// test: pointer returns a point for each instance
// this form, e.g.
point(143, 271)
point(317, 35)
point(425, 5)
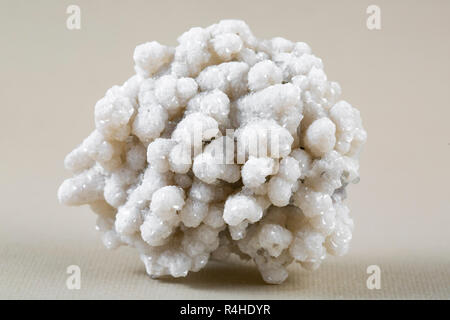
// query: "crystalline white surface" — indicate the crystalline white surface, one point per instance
point(172, 168)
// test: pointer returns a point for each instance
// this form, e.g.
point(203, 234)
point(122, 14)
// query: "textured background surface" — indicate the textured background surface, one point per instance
point(397, 77)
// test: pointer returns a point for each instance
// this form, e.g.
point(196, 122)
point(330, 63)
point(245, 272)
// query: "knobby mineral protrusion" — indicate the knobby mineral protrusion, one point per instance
point(224, 144)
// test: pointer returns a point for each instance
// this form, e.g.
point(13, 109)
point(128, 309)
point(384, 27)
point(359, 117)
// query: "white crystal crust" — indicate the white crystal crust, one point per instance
point(181, 201)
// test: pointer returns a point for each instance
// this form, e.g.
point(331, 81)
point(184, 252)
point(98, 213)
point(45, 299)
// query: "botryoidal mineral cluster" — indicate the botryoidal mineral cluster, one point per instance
point(224, 144)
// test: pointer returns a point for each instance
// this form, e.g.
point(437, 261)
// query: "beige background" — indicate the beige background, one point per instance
point(398, 77)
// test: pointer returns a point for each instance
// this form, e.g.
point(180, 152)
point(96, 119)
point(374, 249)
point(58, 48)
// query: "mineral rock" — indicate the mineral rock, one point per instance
point(223, 145)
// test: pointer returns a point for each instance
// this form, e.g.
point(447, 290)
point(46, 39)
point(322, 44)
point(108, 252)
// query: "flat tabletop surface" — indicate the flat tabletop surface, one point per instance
point(39, 272)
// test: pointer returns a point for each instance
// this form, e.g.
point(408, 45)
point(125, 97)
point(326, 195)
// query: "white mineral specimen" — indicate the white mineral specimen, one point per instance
point(224, 144)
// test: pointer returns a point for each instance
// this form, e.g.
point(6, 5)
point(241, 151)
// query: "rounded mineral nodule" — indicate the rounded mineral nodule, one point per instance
point(225, 144)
